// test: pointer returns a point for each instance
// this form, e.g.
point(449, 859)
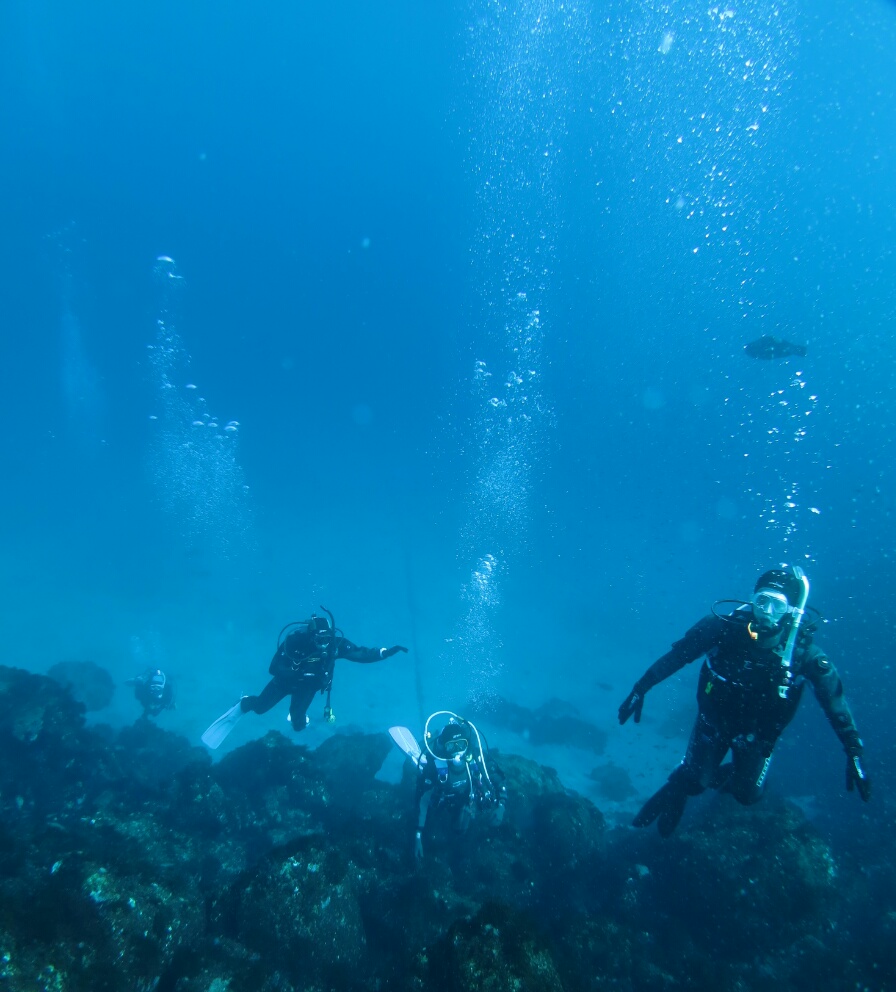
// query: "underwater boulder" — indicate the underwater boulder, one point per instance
point(568, 854)
point(34, 705)
point(353, 759)
point(250, 873)
point(740, 882)
point(568, 829)
point(600, 952)
point(559, 722)
point(556, 722)
point(146, 926)
point(86, 927)
point(613, 783)
point(299, 911)
point(527, 783)
point(263, 765)
point(89, 683)
point(498, 950)
point(152, 757)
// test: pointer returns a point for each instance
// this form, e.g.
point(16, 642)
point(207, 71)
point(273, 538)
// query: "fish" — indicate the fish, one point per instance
point(768, 347)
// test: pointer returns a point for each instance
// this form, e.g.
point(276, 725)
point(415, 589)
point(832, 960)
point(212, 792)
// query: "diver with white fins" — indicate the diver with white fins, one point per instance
point(218, 731)
point(453, 772)
point(154, 691)
point(757, 660)
point(303, 665)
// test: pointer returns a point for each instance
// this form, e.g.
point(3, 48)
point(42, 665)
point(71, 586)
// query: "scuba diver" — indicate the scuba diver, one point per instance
point(154, 691)
point(453, 773)
point(302, 666)
point(757, 660)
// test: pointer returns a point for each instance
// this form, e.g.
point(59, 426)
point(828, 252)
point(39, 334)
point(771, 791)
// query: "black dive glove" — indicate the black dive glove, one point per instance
point(634, 703)
point(388, 652)
point(856, 777)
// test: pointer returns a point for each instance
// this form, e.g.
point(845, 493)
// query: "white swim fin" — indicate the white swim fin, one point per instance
point(218, 731)
point(407, 742)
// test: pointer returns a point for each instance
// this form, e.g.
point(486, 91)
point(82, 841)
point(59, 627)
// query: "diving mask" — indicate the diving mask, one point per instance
point(455, 747)
point(769, 607)
point(321, 633)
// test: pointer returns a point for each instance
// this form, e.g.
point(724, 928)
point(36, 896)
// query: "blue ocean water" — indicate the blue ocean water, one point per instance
point(470, 283)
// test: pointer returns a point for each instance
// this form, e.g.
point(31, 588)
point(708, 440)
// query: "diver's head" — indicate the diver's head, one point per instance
point(157, 684)
point(775, 595)
point(320, 632)
point(452, 744)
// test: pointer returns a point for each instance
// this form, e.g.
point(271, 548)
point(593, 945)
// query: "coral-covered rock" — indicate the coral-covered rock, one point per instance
point(300, 912)
point(737, 879)
point(128, 860)
point(499, 950)
point(613, 783)
point(87, 681)
point(34, 705)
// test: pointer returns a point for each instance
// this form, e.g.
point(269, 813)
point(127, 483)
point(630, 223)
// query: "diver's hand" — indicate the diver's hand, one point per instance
point(418, 847)
point(388, 652)
point(856, 777)
point(634, 703)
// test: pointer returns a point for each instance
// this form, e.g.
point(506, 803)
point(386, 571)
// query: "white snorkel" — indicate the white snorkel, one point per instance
point(797, 612)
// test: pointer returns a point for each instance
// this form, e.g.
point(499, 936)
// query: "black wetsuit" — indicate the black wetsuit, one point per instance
point(461, 786)
point(153, 703)
point(300, 669)
point(746, 697)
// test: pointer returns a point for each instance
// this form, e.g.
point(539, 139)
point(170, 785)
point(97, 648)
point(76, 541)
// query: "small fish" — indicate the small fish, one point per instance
point(768, 347)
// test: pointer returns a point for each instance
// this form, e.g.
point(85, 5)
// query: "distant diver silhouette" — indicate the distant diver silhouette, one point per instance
point(768, 347)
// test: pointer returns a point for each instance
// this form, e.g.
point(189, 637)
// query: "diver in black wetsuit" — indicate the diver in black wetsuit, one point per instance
point(154, 691)
point(757, 661)
point(453, 774)
point(302, 666)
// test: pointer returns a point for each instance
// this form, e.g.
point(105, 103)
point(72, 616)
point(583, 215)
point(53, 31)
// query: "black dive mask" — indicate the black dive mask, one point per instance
point(321, 634)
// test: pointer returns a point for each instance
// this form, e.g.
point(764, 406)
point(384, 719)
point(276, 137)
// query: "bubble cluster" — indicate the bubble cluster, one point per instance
point(525, 58)
point(699, 89)
point(780, 433)
point(699, 98)
point(477, 639)
point(194, 462)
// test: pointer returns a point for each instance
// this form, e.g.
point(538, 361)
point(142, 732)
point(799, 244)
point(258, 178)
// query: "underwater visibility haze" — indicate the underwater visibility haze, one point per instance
point(513, 333)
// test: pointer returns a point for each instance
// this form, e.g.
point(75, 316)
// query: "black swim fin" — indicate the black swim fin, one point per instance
point(722, 778)
point(666, 805)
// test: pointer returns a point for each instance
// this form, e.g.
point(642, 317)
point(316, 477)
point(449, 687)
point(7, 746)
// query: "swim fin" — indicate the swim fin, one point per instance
point(407, 742)
point(218, 731)
point(722, 778)
point(666, 805)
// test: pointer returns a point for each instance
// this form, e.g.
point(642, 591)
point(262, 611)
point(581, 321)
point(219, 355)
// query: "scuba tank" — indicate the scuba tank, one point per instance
point(309, 626)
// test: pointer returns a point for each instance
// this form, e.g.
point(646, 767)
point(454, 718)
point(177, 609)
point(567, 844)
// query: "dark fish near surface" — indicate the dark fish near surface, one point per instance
point(769, 347)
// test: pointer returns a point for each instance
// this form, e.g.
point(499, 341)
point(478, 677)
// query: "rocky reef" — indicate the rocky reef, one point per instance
point(555, 722)
point(86, 681)
point(128, 860)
